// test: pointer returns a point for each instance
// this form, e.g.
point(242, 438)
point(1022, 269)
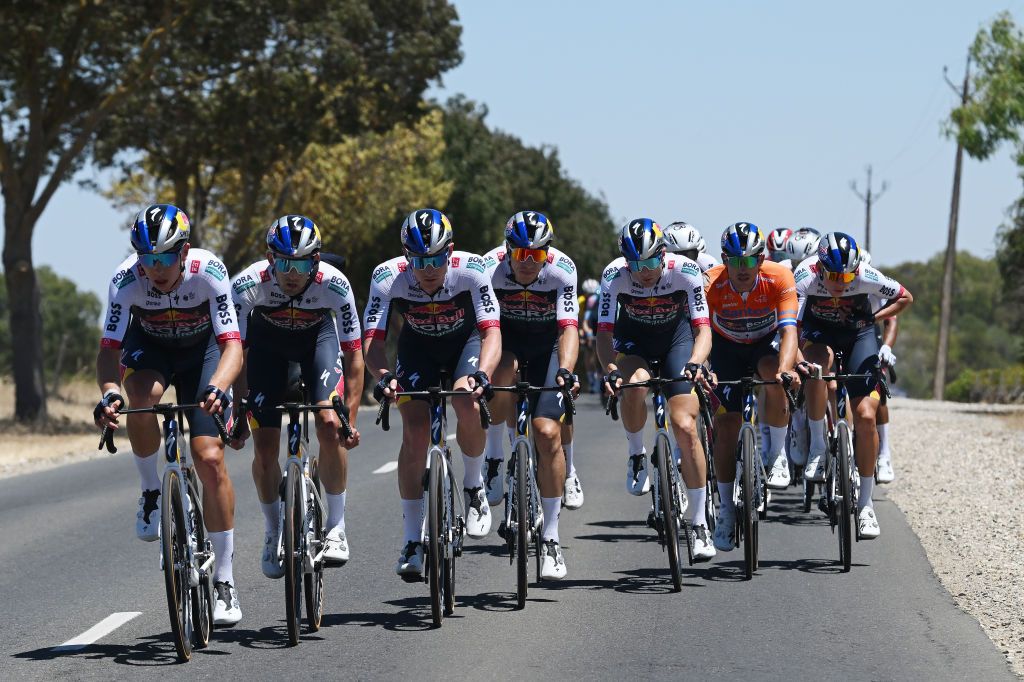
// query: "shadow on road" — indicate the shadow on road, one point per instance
point(645, 534)
point(157, 650)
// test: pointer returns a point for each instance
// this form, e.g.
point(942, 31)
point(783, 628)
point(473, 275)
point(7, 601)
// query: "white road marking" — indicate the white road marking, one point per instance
point(101, 629)
point(387, 468)
point(451, 436)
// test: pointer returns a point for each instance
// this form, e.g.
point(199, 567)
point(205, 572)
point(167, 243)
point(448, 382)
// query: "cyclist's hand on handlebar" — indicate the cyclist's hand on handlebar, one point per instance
point(809, 370)
point(886, 356)
point(353, 440)
point(612, 382)
point(566, 378)
point(106, 411)
point(789, 379)
point(386, 388)
point(240, 433)
point(480, 384)
point(213, 401)
point(692, 371)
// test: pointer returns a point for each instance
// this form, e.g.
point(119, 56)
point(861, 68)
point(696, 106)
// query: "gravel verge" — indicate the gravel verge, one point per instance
point(960, 482)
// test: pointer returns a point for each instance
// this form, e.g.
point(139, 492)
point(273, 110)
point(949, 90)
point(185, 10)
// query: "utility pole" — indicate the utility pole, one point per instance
point(946, 306)
point(868, 198)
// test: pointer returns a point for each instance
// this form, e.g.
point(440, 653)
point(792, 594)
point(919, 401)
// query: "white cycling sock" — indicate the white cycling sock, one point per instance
point(867, 485)
point(778, 440)
point(511, 434)
point(495, 448)
point(335, 511)
point(146, 464)
point(817, 429)
point(636, 442)
point(883, 440)
point(472, 471)
point(697, 497)
point(271, 516)
point(223, 542)
point(570, 466)
point(725, 495)
point(551, 506)
point(412, 520)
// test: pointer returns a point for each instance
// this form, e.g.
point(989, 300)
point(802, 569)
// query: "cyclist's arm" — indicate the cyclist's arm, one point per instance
point(119, 301)
point(786, 313)
point(890, 330)
point(568, 314)
point(355, 369)
point(701, 344)
point(895, 306)
point(108, 369)
point(230, 365)
point(241, 388)
point(568, 347)
point(375, 320)
point(490, 349)
point(787, 348)
point(485, 307)
point(607, 302)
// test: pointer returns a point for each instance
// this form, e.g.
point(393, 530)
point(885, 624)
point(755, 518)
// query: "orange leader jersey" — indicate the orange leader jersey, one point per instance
point(750, 317)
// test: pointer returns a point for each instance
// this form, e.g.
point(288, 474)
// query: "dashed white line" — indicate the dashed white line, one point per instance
point(101, 629)
point(387, 468)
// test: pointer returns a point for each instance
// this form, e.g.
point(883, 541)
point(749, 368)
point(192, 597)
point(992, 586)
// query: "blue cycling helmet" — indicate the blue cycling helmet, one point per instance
point(641, 238)
point(426, 232)
point(838, 252)
point(742, 239)
point(529, 230)
point(159, 229)
point(293, 236)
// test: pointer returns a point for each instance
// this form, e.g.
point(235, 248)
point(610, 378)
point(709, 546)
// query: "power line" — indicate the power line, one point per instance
point(869, 198)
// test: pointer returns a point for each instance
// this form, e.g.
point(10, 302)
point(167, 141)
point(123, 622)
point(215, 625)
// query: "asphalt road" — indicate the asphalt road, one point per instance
point(69, 559)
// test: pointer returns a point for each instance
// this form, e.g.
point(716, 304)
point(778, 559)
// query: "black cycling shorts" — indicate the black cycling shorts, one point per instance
point(859, 349)
point(318, 355)
point(671, 352)
point(188, 368)
point(420, 361)
point(541, 369)
point(731, 361)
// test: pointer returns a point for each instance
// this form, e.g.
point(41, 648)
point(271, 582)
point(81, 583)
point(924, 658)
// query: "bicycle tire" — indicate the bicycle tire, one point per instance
point(522, 504)
point(314, 581)
point(748, 451)
point(176, 583)
point(537, 520)
point(434, 561)
point(845, 510)
point(293, 551)
point(448, 532)
point(711, 487)
point(202, 594)
point(669, 512)
point(808, 495)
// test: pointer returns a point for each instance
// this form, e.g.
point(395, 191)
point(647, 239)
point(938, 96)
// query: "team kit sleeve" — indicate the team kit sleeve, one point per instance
point(346, 314)
point(244, 292)
point(804, 279)
point(119, 303)
point(484, 302)
point(873, 282)
point(222, 308)
point(787, 306)
point(693, 284)
point(611, 281)
point(568, 311)
point(378, 303)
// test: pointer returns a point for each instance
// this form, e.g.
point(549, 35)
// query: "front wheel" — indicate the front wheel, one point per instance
point(669, 511)
point(294, 549)
point(435, 544)
point(845, 485)
point(748, 453)
point(314, 581)
point(522, 517)
point(173, 544)
point(202, 595)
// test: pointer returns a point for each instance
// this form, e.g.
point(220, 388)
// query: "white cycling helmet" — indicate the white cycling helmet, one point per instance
point(680, 236)
point(865, 257)
point(802, 244)
point(777, 239)
point(293, 236)
point(589, 286)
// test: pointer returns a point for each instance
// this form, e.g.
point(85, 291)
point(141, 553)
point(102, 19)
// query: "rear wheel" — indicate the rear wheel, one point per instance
point(435, 508)
point(845, 487)
point(173, 539)
point(314, 581)
point(522, 518)
point(748, 451)
point(711, 487)
point(202, 595)
point(448, 532)
point(293, 551)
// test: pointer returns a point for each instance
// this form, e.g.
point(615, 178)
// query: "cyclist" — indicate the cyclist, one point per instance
point(451, 322)
point(776, 246)
point(535, 285)
point(886, 334)
point(800, 246)
point(835, 315)
point(169, 318)
point(653, 308)
point(750, 299)
point(683, 238)
point(285, 304)
point(588, 334)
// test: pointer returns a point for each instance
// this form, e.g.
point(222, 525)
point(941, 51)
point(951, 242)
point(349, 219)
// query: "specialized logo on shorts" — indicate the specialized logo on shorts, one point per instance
point(193, 267)
point(216, 270)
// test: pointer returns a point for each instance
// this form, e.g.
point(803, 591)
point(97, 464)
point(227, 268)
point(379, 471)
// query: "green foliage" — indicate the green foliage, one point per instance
point(495, 175)
point(980, 331)
point(1005, 385)
point(70, 317)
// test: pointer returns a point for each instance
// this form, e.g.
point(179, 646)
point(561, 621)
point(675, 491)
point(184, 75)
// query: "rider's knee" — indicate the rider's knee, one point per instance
point(547, 430)
point(466, 408)
point(327, 432)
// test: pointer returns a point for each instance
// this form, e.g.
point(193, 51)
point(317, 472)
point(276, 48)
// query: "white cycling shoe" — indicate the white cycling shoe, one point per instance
point(637, 482)
point(867, 524)
point(336, 552)
point(478, 513)
point(814, 471)
point(572, 497)
point(552, 565)
point(410, 562)
point(493, 480)
point(884, 472)
point(226, 610)
point(147, 519)
point(270, 561)
point(778, 475)
point(700, 541)
point(725, 530)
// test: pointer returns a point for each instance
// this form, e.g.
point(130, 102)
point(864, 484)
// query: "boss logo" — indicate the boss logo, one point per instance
point(114, 318)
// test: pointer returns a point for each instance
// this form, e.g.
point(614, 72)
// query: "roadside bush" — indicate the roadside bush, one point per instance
point(1003, 385)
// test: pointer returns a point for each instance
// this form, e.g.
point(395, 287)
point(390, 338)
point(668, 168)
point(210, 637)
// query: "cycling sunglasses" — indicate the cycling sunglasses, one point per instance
point(536, 255)
point(422, 262)
point(303, 266)
point(741, 261)
point(151, 260)
point(845, 277)
point(652, 263)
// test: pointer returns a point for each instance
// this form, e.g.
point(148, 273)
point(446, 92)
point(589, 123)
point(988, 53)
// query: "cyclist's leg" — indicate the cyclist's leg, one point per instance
point(775, 413)
point(501, 410)
point(145, 374)
point(471, 439)
point(267, 374)
point(816, 350)
point(633, 411)
point(864, 400)
point(729, 362)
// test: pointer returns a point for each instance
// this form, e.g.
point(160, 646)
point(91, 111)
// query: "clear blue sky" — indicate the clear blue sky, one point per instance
point(709, 112)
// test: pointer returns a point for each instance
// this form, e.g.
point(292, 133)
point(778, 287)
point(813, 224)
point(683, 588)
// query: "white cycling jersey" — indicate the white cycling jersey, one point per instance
point(632, 310)
point(541, 308)
point(854, 308)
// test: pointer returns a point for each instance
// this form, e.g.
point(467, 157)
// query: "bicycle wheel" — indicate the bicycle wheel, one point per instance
point(522, 517)
point(448, 532)
point(711, 487)
point(808, 493)
point(537, 520)
point(845, 506)
point(669, 512)
point(748, 452)
point(173, 539)
point(202, 594)
point(314, 581)
point(435, 509)
point(293, 550)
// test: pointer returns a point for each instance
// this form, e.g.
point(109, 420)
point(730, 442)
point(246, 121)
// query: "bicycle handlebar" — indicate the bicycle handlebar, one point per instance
point(612, 407)
point(565, 390)
point(107, 437)
point(383, 416)
point(340, 409)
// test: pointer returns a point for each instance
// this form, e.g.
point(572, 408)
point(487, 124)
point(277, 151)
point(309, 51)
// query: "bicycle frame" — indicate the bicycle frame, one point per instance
point(300, 454)
point(441, 453)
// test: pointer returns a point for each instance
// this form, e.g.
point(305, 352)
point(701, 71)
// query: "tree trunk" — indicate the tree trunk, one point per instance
point(26, 322)
point(181, 200)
